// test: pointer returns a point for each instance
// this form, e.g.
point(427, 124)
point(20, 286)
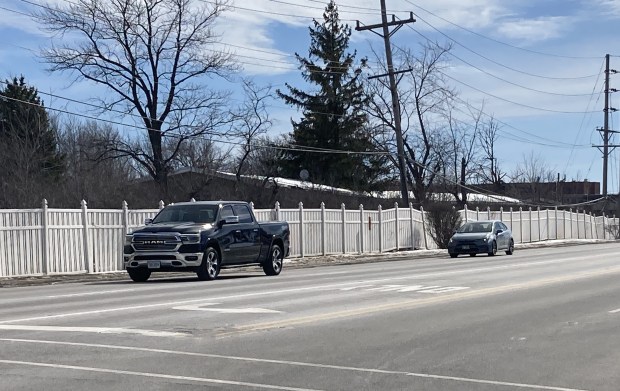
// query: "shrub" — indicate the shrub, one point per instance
point(443, 219)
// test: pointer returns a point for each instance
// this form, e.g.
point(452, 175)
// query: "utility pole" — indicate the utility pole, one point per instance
point(605, 130)
point(393, 88)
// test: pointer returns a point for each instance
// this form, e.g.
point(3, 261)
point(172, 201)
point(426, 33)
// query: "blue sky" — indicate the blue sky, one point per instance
point(563, 43)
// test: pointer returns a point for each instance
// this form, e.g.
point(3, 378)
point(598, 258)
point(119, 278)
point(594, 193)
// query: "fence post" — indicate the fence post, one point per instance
point(604, 231)
point(194, 200)
point(538, 221)
point(547, 213)
point(396, 231)
point(555, 211)
point(511, 225)
point(361, 229)
point(585, 231)
point(125, 208)
point(501, 214)
point(424, 227)
point(592, 227)
point(344, 228)
point(87, 261)
point(45, 238)
point(465, 210)
point(323, 230)
point(161, 204)
point(301, 229)
point(277, 208)
point(521, 223)
point(530, 222)
point(251, 204)
point(488, 213)
point(412, 224)
point(570, 221)
point(477, 214)
point(380, 209)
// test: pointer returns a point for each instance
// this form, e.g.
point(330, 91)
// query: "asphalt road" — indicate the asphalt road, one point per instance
point(541, 319)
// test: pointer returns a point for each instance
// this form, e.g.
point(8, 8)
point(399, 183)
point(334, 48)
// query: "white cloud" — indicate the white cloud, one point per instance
point(609, 7)
point(532, 30)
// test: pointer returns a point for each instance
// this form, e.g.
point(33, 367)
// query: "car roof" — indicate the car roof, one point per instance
point(209, 203)
point(483, 221)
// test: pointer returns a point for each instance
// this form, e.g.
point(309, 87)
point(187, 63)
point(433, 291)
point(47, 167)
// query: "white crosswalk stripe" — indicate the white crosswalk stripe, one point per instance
point(405, 289)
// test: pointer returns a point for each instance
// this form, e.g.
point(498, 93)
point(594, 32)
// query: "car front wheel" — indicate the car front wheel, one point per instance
point(273, 266)
point(210, 267)
point(139, 274)
point(511, 248)
point(493, 249)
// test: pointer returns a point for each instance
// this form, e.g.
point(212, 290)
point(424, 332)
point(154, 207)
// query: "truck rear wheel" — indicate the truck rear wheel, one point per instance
point(273, 266)
point(210, 267)
point(139, 274)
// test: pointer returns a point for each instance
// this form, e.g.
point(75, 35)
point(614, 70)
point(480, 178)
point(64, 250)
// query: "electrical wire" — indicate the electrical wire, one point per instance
point(498, 77)
point(496, 40)
point(496, 62)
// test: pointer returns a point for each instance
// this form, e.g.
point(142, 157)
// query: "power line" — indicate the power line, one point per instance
point(496, 40)
point(496, 62)
point(498, 77)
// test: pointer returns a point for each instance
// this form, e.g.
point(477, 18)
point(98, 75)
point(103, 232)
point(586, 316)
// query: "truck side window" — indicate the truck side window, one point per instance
point(243, 212)
point(226, 212)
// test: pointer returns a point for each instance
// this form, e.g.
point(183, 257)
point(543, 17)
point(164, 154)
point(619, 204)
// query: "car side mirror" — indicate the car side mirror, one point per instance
point(229, 220)
point(148, 221)
point(499, 231)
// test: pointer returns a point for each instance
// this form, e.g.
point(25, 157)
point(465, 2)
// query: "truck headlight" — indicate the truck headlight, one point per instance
point(128, 239)
point(193, 238)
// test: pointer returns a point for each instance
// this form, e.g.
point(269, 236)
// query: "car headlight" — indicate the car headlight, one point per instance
point(194, 238)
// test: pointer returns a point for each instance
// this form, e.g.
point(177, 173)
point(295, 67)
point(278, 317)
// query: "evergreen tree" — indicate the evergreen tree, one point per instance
point(26, 133)
point(333, 114)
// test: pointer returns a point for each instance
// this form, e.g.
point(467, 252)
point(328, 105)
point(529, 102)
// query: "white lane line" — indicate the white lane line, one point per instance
point(614, 311)
point(155, 375)
point(97, 330)
point(493, 382)
point(294, 363)
point(91, 293)
point(226, 310)
point(444, 289)
point(293, 290)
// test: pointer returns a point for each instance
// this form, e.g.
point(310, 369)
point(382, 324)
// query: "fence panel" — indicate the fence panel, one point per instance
point(21, 250)
point(106, 233)
point(388, 230)
point(66, 241)
point(333, 231)
point(371, 231)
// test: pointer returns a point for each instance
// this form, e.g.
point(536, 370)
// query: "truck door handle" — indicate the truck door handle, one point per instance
point(238, 231)
point(255, 229)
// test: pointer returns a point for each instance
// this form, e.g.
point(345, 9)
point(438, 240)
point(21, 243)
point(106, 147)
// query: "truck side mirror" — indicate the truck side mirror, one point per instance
point(148, 221)
point(229, 220)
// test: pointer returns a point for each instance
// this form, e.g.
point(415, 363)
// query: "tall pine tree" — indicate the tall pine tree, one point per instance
point(26, 130)
point(333, 113)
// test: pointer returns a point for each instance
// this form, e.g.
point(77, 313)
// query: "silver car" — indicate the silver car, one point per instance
point(477, 237)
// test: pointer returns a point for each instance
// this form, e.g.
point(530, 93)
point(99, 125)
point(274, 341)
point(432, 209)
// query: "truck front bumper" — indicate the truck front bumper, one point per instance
point(162, 260)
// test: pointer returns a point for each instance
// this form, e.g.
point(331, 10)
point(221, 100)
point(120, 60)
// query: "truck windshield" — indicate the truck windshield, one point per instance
point(199, 214)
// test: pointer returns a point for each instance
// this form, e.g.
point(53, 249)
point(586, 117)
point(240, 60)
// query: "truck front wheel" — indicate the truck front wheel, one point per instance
point(139, 274)
point(273, 266)
point(210, 267)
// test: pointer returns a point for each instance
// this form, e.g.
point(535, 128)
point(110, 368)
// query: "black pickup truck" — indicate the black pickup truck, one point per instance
point(204, 237)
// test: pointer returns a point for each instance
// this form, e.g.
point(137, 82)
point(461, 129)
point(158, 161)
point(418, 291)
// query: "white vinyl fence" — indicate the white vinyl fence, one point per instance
point(64, 241)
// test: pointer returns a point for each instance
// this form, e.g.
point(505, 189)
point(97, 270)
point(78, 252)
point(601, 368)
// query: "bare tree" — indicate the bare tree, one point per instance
point(154, 57)
point(424, 98)
point(533, 171)
point(252, 120)
point(490, 171)
point(462, 158)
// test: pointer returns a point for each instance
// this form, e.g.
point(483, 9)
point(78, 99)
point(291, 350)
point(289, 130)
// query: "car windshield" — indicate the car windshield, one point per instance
point(200, 214)
point(476, 227)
